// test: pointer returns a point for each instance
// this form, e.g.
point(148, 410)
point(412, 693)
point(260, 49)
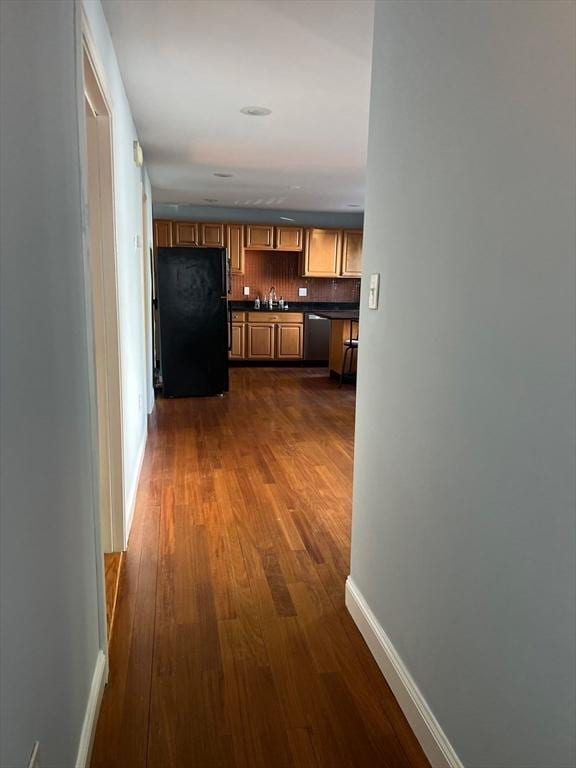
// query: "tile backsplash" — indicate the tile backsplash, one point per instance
point(263, 269)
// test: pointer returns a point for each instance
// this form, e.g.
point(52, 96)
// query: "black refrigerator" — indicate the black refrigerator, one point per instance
point(193, 284)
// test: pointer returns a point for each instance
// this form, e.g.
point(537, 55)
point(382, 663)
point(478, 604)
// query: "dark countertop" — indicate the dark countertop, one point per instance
point(339, 314)
point(300, 306)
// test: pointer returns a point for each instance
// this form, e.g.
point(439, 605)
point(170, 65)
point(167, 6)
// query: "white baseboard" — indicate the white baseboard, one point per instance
point(92, 710)
point(432, 738)
point(131, 507)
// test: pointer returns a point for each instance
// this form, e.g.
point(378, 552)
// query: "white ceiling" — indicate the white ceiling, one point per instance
point(189, 66)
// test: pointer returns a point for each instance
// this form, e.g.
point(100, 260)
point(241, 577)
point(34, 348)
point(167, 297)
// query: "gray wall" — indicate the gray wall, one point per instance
point(49, 618)
point(256, 216)
point(464, 498)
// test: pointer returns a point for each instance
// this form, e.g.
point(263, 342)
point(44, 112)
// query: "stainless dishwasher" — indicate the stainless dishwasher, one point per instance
point(316, 337)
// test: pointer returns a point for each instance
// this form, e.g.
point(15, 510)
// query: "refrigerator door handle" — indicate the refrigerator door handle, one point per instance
point(229, 327)
point(226, 287)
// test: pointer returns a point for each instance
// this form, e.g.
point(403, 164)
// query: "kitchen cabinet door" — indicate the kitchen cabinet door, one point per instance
point(235, 243)
point(260, 341)
point(352, 253)
point(237, 351)
point(212, 235)
point(289, 238)
point(162, 233)
point(259, 237)
point(322, 253)
point(289, 341)
point(184, 233)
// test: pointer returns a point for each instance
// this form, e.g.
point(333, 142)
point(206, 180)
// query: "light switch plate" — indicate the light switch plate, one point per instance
point(246, 290)
point(302, 291)
point(374, 290)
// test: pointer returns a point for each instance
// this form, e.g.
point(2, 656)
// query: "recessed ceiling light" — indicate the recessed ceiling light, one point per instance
point(224, 175)
point(287, 218)
point(209, 200)
point(353, 205)
point(256, 111)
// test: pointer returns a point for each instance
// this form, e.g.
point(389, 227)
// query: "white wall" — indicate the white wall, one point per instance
point(52, 626)
point(464, 498)
point(128, 202)
point(48, 568)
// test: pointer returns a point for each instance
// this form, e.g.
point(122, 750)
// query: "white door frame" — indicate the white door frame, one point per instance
point(103, 296)
point(147, 294)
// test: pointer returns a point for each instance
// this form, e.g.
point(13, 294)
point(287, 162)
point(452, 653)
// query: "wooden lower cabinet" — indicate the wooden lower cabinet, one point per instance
point(263, 339)
point(237, 341)
point(289, 340)
point(260, 341)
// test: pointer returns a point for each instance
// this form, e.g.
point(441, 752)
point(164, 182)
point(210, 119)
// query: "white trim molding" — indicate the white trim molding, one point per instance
point(426, 728)
point(92, 710)
point(131, 506)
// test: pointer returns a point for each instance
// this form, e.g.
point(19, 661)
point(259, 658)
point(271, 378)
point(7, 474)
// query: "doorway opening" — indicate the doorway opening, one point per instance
point(105, 324)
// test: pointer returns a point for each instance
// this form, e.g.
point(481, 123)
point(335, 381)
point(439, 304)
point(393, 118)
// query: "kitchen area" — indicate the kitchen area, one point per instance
point(292, 293)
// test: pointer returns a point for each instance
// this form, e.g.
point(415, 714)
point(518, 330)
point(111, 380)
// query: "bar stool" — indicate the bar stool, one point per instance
point(350, 345)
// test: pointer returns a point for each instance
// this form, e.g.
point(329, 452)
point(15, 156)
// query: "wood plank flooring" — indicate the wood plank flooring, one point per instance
point(112, 567)
point(232, 647)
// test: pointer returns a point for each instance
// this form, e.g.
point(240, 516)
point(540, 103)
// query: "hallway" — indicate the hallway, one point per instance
point(231, 645)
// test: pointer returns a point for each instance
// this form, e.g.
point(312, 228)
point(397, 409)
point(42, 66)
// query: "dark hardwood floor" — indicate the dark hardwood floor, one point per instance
point(232, 646)
point(112, 568)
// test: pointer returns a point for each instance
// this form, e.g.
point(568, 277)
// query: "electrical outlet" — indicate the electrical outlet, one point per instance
point(302, 291)
point(246, 290)
point(34, 761)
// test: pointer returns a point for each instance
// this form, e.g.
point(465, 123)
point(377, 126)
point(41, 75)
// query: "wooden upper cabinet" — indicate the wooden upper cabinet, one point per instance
point(260, 341)
point(184, 233)
point(235, 243)
point(288, 238)
point(162, 233)
point(289, 341)
point(322, 253)
point(212, 234)
point(351, 253)
point(259, 237)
